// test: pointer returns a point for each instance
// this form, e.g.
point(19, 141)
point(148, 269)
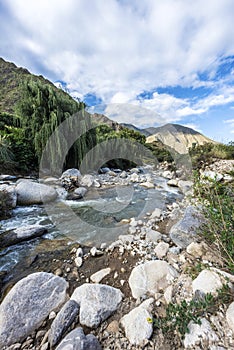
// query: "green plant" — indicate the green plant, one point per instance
point(178, 316)
point(218, 206)
point(194, 270)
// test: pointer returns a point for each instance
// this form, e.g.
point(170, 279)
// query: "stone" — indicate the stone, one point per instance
point(81, 191)
point(172, 183)
point(185, 230)
point(104, 170)
point(77, 340)
point(99, 275)
point(153, 236)
point(156, 214)
point(11, 195)
point(28, 304)
point(29, 192)
point(167, 174)
point(207, 282)
point(199, 334)
point(126, 238)
point(95, 252)
point(134, 178)
point(185, 186)
point(161, 249)
point(113, 327)
point(230, 316)
point(168, 294)
point(151, 277)
point(123, 175)
point(20, 234)
point(195, 249)
point(78, 261)
point(97, 302)
point(212, 175)
point(136, 323)
point(73, 172)
point(62, 321)
point(79, 252)
point(86, 180)
point(148, 184)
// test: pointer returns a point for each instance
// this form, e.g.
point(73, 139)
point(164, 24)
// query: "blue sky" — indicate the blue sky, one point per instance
point(144, 62)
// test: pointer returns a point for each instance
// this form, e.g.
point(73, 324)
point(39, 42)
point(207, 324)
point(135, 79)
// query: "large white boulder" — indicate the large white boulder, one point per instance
point(29, 192)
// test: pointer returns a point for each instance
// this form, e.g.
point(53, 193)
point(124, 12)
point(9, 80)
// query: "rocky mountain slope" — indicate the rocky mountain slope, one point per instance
point(178, 137)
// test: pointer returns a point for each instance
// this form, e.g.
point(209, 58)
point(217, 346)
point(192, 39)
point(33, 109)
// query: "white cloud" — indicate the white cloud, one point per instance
point(118, 49)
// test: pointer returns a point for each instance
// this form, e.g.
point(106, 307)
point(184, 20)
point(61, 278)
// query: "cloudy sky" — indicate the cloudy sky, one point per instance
point(145, 62)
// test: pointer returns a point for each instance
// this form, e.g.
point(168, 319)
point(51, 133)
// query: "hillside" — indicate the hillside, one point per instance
point(178, 137)
point(133, 127)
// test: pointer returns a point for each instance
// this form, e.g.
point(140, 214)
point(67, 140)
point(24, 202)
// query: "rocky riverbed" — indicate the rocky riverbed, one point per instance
point(104, 296)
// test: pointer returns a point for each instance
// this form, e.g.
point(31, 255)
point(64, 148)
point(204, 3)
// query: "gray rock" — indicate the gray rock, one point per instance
point(185, 186)
point(11, 195)
point(28, 304)
point(77, 340)
point(230, 316)
point(172, 183)
point(161, 249)
point(86, 180)
point(199, 334)
point(156, 214)
point(21, 234)
point(153, 236)
point(29, 192)
point(151, 277)
point(184, 231)
point(62, 321)
point(212, 175)
point(79, 193)
point(97, 302)
point(136, 325)
point(71, 173)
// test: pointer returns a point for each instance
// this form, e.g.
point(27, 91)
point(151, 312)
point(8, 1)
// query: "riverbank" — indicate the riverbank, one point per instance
point(161, 259)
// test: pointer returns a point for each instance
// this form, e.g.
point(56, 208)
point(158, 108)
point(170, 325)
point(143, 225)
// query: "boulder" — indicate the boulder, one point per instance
point(200, 335)
point(230, 316)
point(62, 321)
point(212, 175)
point(71, 173)
point(185, 230)
point(185, 186)
point(77, 340)
point(172, 183)
point(97, 302)
point(78, 193)
point(28, 304)
point(208, 282)
point(11, 199)
point(86, 180)
point(136, 323)
point(70, 178)
point(151, 277)
point(148, 184)
point(21, 234)
point(29, 192)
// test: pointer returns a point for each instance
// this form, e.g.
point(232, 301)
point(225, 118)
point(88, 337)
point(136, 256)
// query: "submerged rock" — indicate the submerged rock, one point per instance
point(29, 192)
point(28, 304)
point(21, 234)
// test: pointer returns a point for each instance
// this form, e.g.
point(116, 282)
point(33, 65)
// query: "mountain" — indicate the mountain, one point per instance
point(178, 137)
point(134, 128)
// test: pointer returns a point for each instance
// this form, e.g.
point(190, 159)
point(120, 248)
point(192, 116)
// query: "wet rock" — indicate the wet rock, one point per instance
point(207, 282)
point(95, 252)
point(11, 195)
point(78, 193)
point(29, 192)
point(151, 277)
point(172, 183)
point(199, 334)
point(63, 320)
point(97, 302)
point(28, 304)
point(184, 231)
point(230, 316)
point(167, 174)
point(86, 180)
point(148, 184)
point(21, 234)
point(77, 340)
point(70, 178)
point(99, 275)
point(136, 323)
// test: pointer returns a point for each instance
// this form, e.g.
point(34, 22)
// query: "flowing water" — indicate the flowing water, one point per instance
point(91, 221)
